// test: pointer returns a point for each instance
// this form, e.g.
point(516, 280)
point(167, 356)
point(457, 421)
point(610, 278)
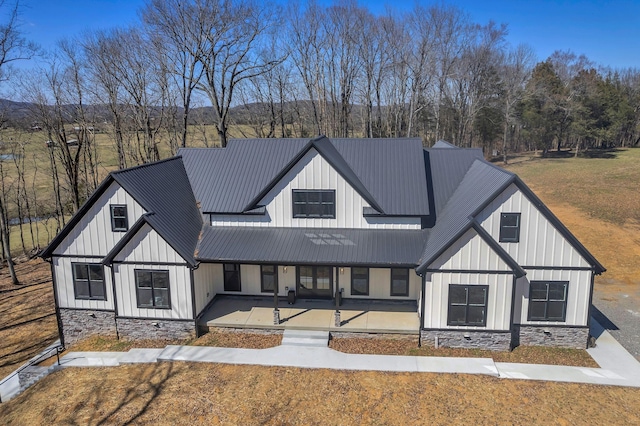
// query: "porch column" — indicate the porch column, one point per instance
point(276, 311)
point(336, 315)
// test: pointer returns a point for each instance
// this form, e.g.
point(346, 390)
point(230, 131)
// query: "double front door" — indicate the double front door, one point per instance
point(315, 281)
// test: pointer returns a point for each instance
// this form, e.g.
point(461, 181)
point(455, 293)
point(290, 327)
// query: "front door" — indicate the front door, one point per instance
point(315, 281)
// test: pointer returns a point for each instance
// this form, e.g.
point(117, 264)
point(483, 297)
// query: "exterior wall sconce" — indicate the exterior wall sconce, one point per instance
point(284, 269)
point(341, 271)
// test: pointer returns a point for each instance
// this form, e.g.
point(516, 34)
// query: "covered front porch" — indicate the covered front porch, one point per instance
point(356, 316)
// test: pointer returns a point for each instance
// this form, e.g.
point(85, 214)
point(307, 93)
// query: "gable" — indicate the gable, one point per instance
point(313, 171)
point(91, 235)
point(148, 246)
point(541, 242)
point(470, 252)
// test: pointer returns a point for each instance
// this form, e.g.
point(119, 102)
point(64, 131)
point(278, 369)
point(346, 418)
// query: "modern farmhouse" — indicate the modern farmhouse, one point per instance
point(482, 260)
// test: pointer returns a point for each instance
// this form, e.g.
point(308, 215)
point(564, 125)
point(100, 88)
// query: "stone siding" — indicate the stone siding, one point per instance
point(491, 340)
point(386, 336)
point(78, 324)
point(559, 337)
point(158, 329)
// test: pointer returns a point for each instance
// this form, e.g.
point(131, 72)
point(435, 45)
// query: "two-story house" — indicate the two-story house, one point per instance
point(385, 219)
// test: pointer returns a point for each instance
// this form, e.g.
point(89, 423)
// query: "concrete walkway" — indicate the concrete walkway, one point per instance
point(618, 368)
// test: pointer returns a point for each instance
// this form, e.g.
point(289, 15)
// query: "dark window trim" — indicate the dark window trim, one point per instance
point(224, 276)
point(368, 280)
point(516, 239)
point(466, 323)
point(125, 217)
point(262, 274)
point(306, 215)
point(88, 280)
point(406, 293)
point(546, 302)
point(135, 273)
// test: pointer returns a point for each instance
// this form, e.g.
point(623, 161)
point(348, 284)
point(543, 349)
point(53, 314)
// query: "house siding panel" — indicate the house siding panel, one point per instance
point(470, 252)
point(577, 297)
point(314, 172)
point(64, 285)
point(179, 289)
point(92, 235)
point(205, 279)
point(148, 246)
point(540, 243)
point(498, 303)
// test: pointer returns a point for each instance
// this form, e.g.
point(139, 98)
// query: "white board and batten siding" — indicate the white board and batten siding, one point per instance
point(148, 246)
point(541, 244)
point(92, 235)
point(314, 172)
point(498, 298)
point(64, 284)
point(579, 288)
point(471, 253)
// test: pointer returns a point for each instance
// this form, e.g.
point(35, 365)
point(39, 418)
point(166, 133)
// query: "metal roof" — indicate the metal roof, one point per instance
point(163, 190)
point(389, 173)
point(291, 246)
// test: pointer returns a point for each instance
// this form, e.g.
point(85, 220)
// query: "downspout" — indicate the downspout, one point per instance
point(55, 301)
point(193, 299)
point(513, 305)
point(423, 304)
point(590, 308)
point(115, 300)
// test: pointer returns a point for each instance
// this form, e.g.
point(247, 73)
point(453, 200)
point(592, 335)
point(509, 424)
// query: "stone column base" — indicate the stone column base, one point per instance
point(554, 336)
point(336, 317)
point(276, 317)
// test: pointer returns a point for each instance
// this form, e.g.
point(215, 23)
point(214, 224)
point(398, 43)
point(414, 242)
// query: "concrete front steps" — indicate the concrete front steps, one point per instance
point(308, 338)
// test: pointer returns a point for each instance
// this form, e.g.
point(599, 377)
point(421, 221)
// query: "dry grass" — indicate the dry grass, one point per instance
point(226, 339)
point(521, 354)
point(27, 314)
point(194, 393)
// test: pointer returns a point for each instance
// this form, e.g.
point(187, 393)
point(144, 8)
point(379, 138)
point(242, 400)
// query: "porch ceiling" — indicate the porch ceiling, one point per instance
point(357, 316)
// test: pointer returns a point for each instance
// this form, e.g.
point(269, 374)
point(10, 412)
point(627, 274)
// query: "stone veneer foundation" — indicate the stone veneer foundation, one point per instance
point(559, 337)
point(140, 328)
point(468, 339)
point(80, 323)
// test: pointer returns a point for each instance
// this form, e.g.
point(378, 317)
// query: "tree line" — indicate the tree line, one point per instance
point(251, 68)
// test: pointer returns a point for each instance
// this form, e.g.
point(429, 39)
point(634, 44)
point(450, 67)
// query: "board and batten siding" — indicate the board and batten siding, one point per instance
point(205, 279)
point(498, 299)
point(380, 285)
point(540, 242)
point(577, 297)
point(92, 235)
point(471, 253)
point(148, 246)
point(314, 172)
point(64, 284)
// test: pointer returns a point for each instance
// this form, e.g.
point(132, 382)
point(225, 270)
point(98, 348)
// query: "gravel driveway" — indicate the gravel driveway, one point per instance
point(620, 314)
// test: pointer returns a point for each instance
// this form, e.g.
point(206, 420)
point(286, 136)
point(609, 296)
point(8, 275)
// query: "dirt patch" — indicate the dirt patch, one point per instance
point(195, 393)
point(521, 354)
point(27, 314)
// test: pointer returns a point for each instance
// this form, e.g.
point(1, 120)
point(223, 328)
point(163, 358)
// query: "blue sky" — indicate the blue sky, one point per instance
point(607, 32)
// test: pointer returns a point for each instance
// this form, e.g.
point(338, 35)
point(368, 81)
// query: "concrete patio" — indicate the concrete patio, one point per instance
point(357, 316)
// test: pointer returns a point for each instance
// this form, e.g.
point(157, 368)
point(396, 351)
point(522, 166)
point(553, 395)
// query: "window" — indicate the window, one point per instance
point(548, 300)
point(399, 282)
point(88, 281)
point(269, 278)
point(152, 289)
point(509, 227)
point(314, 203)
point(359, 281)
point(467, 305)
point(231, 277)
point(119, 221)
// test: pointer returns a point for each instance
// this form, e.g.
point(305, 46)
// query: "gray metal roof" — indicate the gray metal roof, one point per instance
point(389, 173)
point(311, 245)
point(163, 190)
point(481, 184)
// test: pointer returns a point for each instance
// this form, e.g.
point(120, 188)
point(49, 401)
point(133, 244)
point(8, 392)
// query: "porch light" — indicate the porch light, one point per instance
point(284, 269)
point(341, 271)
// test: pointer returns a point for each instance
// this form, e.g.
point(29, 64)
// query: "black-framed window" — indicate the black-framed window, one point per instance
point(88, 281)
point(232, 277)
point(359, 281)
point(509, 227)
point(314, 203)
point(467, 305)
point(119, 220)
point(268, 278)
point(548, 300)
point(152, 289)
point(399, 282)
